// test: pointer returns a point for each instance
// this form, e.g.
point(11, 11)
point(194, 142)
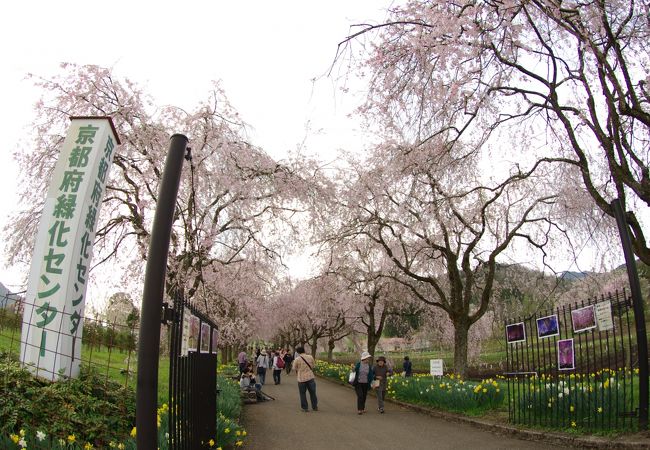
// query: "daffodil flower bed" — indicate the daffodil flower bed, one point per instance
point(577, 401)
point(450, 392)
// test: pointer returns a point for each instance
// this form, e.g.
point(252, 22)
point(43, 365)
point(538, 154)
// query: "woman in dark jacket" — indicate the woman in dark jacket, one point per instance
point(364, 374)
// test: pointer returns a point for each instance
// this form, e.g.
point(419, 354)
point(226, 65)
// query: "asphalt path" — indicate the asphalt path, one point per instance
point(280, 424)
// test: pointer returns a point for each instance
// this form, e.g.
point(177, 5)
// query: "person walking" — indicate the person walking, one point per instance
point(407, 366)
point(364, 375)
point(262, 364)
point(304, 368)
point(382, 372)
point(278, 365)
point(288, 359)
point(242, 360)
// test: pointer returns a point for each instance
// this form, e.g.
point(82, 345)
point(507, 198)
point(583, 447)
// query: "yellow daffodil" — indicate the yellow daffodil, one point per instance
point(134, 432)
point(211, 442)
point(227, 430)
point(72, 438)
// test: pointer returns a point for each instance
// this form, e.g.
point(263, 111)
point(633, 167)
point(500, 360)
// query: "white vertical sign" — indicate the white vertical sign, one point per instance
point(54, 306)
point(604, 316)
point(436, 367)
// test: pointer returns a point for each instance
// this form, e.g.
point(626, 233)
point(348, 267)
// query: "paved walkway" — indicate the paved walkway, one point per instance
point(279, 424)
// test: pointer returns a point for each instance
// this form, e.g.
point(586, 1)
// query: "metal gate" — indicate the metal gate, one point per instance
point(192, 377)
point(575, 366)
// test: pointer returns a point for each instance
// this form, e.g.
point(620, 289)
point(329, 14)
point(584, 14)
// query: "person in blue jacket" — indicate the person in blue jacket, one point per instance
point(364, 375)
point(408, 367)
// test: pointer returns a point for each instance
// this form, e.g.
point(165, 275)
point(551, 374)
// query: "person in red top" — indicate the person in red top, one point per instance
point(304, 367)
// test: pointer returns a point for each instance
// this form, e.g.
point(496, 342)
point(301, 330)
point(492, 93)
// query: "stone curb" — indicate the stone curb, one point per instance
point(636, 441)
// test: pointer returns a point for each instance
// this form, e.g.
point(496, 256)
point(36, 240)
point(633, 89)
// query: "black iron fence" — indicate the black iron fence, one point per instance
point(575, 366)
point(192, 377)
point(108, 346)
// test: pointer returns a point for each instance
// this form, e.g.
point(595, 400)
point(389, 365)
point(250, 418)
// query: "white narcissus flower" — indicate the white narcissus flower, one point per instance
point(40, 435)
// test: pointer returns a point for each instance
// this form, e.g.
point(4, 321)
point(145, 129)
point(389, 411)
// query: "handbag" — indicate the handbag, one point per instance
point(351, 377)
point(375, 384)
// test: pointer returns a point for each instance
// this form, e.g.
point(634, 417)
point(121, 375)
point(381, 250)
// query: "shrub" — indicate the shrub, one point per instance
point(89, 407)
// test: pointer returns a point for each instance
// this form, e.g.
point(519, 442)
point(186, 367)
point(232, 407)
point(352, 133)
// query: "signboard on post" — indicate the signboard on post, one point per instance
point(436, 367)
point(604, 316)
point(54, 305)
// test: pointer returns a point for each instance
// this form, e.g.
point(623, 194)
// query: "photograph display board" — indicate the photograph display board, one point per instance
point(185, 330)
point(515, 332)
point(193, 340)
point(213, 347)
point(548, 326)
point(583, 319)
point(205, 337)
point(566, 359)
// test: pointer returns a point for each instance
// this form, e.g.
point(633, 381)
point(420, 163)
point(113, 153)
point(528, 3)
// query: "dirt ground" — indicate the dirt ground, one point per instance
point(280, 424)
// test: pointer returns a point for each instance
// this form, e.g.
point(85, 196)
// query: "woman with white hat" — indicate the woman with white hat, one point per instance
point(364, 374)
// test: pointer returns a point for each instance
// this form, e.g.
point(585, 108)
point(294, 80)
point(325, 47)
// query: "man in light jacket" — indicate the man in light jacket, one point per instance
point(303, 365)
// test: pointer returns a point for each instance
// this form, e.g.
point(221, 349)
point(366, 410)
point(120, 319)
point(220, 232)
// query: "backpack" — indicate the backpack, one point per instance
point(279, 362)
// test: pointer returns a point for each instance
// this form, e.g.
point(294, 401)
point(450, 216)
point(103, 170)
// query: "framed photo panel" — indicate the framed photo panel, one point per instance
point(515, 332)
point(193, 339)
point(213, 347)
point(548, 326)
point(583, 319)
point(205, 337)
point(566, 359)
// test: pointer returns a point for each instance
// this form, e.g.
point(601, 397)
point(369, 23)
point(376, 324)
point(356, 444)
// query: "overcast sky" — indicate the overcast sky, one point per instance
point(270, 56)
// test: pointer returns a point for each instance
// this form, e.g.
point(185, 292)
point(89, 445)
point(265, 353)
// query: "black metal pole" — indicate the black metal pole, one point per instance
point(639, 316)
point(154, 285)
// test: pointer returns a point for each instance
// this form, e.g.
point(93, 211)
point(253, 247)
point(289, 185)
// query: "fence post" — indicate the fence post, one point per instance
point(154, 286)
point(639, 316)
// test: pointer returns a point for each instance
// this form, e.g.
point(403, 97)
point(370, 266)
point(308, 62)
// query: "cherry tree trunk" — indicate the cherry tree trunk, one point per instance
point(314, 344)
point(373, 340)
point(461, 332)
point(330, 349)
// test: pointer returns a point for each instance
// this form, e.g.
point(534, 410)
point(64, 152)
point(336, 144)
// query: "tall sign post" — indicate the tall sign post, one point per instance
point(639, 315)
point(54, 305)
